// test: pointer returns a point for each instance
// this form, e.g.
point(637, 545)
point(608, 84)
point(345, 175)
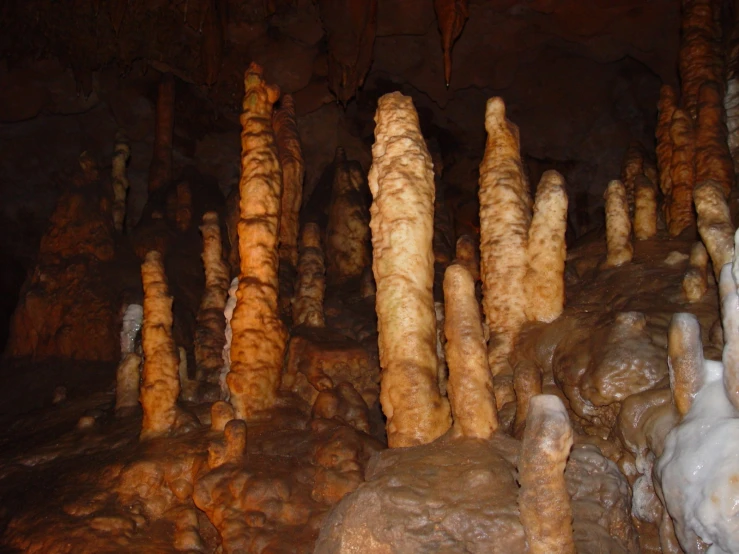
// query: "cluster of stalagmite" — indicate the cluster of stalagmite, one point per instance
point(401, 176)
point(618, 225)
point(120, 182)
point(347, 231)
point(161, 385)
point(311, 284)
point(259, 336)
point(211, 325)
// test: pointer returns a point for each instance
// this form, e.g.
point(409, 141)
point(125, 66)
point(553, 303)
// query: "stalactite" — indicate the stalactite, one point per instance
point(714, 223)
point(682, 173)
point(451, 16)
point(402, 184)
point(618, 226)
point(121, 156)
point(666, 108)
point(505, 214)
point(544, 282)
point(470, 384)
point(695, 282)
point(160, 170)
point(712, 156)
point(311, 285)
point(259, 336)
point(645, 208)
point(210, 328)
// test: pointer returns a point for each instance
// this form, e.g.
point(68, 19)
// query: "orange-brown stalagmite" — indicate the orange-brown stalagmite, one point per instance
point(120, 182)
point(543, 500)
point(544, 284)
point(259, 336)
point(293, 171)
point(527, 384)
point(161, 383)
point(731, 97)
point(666, 108)
point(714, 223)
point(347, 231)
point(160, 170)
point(451, 16)
point(631, 167)
point(402, 220)
point(618, 225)
point(712, 156)
point(311, 284)
point(211, 325)
point(505, 214)
point(645, 208)
point(679, 203)
point(470, 384)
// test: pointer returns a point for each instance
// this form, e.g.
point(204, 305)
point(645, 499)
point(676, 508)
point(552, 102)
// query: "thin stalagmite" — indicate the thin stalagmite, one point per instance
point(291, 158)
point(505, 214)
point(127, 378)
point(347, 231)
point(712, 156)
point(618, 226)
point(527, 384)
point(544, 284)
point(695, 282)
point(160, 170)
point(685, 360)
point(666, 108)
point(311, 285)
point(714, 223)
point(682, 173)
point(211, 325)
point(259, 336)
point(645, 208)
point(543, 501)
point(161, 384)
point(631, 166)
point(401, 180)
point(120, 182)
point(470, 384)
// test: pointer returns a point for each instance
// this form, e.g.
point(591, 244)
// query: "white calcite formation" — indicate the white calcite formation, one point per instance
point(130, 328)
point(228, 313)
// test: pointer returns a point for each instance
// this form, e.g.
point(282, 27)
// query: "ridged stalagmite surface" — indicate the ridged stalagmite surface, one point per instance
point(505, 214)
point(120, 182)
point(293, 171)
point(618, 225)
point(731, 98)
point(685, 360)
point(311, 285)
point(712, 157)
point(544, 285)
point(714, 223)
point(470, 384)
point(161, 382)
point(211, 325)
point(543, 500)
point(666, 108)
point(259, 336)
point(682, 173)
point(645, 208)
point(347, 231)
point(402, 216)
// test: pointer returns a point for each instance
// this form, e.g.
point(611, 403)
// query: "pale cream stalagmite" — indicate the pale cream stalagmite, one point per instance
point(259, 336)
point(645, 208)
point(470, 384)
point(729, 296)
point(714, 223)
point(731, 97)
point(211, 325)
point(401, 180)
point(685, 360)
point(120, 182)
point(347, 230)
point(618, 225)
point(311, 284)
point(679, 203)
point(505, 214)
point(544, 284)
point(543, 501)
point(695, 282)
point(161, 384)
point(666, 108)
point(468, 256)
point(127, 379)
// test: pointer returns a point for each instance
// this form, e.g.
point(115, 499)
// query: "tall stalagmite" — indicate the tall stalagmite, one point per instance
point(618, 226)
point(712, 156)
point(505, 214)
point(631, 167)
point(402, 216)
point(120, 182)
point(211, 325)
point(311, 284)
point(645, 208)
point(259, 336)
point(714, 223)
point(161, 382)
point(682, 173)
point(666, 108)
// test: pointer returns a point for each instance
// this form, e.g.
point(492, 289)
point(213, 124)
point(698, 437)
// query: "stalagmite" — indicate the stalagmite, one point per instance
point(731, 98)
point(526, 384)
point(161, 385)
point(228, 312)
point(728, 284)
point(347, 231)
point(682, 173)
point(183, 214)
point(666, 108)
point(631, 167)
point(543, 500)
point(712, 156)
point(470, 384)
point(311, 285)
point(211, 325)
point(618, 226)
point(220, 413)
point(259, 336)
point(467, 255)
point(505, 214)
point(685, 360)
point(451, 16)
point(714, 223)
point(544, 284)
point(293, 171)
point(133, 317)
point(160, 170)
point(645, 208)
point(402, 184)
point(695, 282)
point(120, 182)
point(127, 379)
point(188, 387)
